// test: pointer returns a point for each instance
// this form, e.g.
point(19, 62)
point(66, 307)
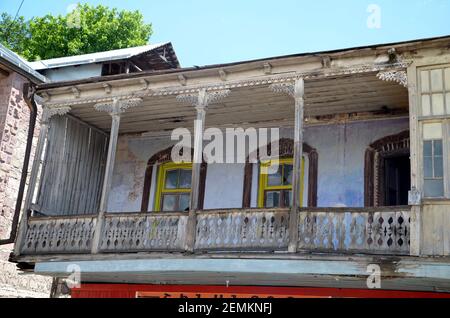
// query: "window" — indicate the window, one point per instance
point(435, 91)
point(174, 187)
point(275, 189)
point(433, 163)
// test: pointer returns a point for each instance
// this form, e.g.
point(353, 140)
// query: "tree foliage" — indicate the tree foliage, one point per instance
point(87, 29)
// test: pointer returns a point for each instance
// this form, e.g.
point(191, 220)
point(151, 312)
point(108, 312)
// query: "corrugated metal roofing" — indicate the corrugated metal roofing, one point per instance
point(20, 63)
point(95, 57)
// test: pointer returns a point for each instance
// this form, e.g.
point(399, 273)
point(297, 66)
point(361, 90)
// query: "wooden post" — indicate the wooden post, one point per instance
point(199, 125)
point(298, 158)
point(416, 189)
point(200, 101)
point(297, 91)
point(114, 109)
point(43, 133)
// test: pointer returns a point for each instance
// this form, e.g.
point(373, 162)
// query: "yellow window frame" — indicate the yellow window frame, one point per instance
point(264, 178)
point(162, 172)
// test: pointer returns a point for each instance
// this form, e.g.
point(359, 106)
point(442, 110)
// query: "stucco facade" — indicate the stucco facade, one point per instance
point(340, 147)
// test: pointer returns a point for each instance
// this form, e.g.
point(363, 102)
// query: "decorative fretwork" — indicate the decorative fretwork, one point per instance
point(134, 233)
point(210, 97)
point(399, 77)
point(49, 112)
point(384, 232)
point(252, 230)
point(118, 106)
point(59, 235)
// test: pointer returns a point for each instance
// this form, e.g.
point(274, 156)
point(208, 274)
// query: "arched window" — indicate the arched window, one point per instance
point(275, 189)
point(173, 188)
point(172, 184)
point(387, 171)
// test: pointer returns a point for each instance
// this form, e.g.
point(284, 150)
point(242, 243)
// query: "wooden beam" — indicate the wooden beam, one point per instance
point(109, 170)
point(199, 126)
point(299, 91)
point(3, 73)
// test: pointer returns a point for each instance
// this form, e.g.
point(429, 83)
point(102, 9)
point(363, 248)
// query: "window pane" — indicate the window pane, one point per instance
point(185, 179)
point(438, 167)
point(425, 81)
point(287, 176)
point(437, 147)
point(169, 202)
point(184, 202)
point(426, 105)
point(171, 179)
point(272, 199)
point(434, 188)
point(436, 80)
point(428, 167)
point(438, 104)
point(427, 148)
point(274, 179)
point(287, 198)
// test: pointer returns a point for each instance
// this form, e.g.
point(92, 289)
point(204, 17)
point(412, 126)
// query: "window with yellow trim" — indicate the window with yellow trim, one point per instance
point(275, 188)
point(174, 187)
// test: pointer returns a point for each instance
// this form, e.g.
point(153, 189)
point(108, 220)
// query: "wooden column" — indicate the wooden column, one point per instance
point(296, 91)
point(115, 109)
point(200, 101)
point(416, 169)
point(47, 114)
point(298, 155)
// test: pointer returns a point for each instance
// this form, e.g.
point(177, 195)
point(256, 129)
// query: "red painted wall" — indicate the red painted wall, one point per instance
point(175, 291)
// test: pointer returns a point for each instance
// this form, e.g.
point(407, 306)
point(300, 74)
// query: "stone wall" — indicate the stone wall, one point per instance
point(14, 120)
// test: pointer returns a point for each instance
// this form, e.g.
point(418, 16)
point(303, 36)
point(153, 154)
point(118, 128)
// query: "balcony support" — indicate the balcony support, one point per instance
point(47, 114)
point(200, 101)
point(416, 166)
point(296, 90)
point(115, 109)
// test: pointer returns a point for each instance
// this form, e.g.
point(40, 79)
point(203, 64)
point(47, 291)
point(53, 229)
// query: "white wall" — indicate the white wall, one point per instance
point(341, 149)
point(71, 73)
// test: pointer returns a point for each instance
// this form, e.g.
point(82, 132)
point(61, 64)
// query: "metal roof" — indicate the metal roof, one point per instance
point(20, 65)
point(95, 57)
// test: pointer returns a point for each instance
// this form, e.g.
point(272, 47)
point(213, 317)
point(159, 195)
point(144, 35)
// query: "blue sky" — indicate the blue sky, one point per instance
point(219, 31)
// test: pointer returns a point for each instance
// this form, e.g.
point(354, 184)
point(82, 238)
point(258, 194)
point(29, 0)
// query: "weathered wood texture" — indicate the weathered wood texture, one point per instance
point(435, 231)
point(333, 230)
point(143, 232)
point(380, 232)
point(73, 170)
point(59, 235)
point(241, 229)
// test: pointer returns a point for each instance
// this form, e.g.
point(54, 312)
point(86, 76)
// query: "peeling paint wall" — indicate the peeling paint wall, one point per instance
point(341, 149)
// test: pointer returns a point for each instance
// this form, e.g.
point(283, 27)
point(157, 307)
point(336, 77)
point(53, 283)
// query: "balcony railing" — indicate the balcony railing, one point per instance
point(321, 230)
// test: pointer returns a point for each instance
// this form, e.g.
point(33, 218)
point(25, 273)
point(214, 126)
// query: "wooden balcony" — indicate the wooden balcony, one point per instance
point(321, 230)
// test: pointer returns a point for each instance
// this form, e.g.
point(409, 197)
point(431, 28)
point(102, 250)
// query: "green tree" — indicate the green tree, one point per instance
point(16, 31)
point(87, 29)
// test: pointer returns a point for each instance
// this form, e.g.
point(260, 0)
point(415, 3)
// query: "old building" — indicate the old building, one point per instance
point(20, 121)
point(16, 113)
point(362, 188)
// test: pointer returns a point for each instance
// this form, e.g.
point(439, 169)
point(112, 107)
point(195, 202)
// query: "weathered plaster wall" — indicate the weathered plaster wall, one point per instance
point(341, 149)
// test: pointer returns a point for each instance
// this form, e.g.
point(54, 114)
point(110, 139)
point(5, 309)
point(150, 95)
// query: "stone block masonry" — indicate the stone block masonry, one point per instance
point(14, 121)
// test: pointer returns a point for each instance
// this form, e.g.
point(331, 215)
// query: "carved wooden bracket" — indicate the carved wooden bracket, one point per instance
point(203, 98)
point(295, 89)
point(118, 106)
point(49, 112)
point(399, 77)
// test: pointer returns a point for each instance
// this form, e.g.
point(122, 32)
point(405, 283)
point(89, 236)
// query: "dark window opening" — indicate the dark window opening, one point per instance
point(397, 180)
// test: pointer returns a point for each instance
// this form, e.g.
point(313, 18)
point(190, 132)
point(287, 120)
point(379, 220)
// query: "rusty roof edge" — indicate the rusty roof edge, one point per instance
point(383, 46)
